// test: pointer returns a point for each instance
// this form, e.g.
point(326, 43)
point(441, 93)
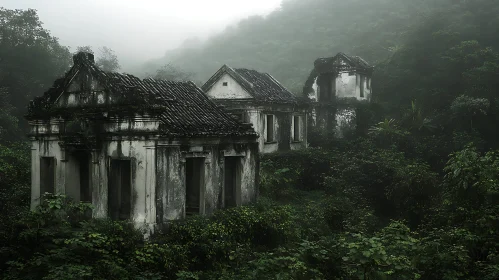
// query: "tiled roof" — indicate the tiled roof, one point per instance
point(261, 86)
point(182, 107)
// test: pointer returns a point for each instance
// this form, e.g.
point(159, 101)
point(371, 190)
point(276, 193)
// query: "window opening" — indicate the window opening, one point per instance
point(270, 128)
point(224, 84)
point(296, 128)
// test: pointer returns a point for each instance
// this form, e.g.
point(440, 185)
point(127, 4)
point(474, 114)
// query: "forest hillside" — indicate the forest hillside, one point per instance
point(286, 42)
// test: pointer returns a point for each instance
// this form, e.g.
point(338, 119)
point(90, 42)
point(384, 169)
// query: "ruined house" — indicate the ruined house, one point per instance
point(144, 150)
point(332, 85)
point(278, 116)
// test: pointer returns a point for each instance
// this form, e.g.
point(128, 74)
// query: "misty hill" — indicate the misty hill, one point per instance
point(286, 42)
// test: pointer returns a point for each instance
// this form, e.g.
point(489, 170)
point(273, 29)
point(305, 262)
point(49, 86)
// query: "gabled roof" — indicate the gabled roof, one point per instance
point(329, 64)
point(182, 107)
point(261, 86)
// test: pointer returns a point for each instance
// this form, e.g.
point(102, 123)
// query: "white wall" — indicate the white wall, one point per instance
point(348, 87)
point(232, 91)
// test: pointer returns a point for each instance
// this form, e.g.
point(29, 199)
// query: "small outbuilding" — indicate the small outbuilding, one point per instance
point(278, 116)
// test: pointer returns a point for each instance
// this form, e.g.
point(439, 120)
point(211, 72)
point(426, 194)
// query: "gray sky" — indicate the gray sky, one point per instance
point(138, 29)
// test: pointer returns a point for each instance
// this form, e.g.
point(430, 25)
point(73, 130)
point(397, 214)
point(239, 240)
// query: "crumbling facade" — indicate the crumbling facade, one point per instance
point(332, 85)
point(145, 150)
point(278, 116)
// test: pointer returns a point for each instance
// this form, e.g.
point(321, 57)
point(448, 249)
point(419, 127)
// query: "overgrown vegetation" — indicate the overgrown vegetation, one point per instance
point(413, 194)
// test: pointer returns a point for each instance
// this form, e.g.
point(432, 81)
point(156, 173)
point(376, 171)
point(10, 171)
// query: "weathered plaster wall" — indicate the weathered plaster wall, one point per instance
point(46, 147)
point(142, 156)
point(171, 188)
point(170, 185)
point(232, 91)
point(347, 86)
point(283, 125)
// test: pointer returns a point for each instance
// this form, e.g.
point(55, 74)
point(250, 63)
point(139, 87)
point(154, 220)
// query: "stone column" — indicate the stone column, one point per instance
point(35, 176)
point(99, 187)
point(150, 189)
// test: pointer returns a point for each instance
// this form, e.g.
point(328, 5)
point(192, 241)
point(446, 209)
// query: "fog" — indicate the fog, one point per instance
point(138, 30)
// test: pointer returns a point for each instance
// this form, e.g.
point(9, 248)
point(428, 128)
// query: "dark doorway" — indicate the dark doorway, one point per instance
point(120, 190)
point(194, 180)
point(83, 159)
point(47, 175)
point(232, 181)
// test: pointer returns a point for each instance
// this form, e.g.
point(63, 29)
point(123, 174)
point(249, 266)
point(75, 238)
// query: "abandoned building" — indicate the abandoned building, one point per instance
point(278, 116)
point(332, 85)
point(144, 150)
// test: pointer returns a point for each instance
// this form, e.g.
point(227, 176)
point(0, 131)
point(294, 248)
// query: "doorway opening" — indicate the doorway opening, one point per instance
point(232, 181)
point(83, 159)
point(47, 175)
point(120, 190)
point(194, 177)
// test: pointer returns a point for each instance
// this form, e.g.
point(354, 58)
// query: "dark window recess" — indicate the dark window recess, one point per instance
point(224, 84)
point(239, 117)
point(368, 83)
point(327, 92)
point(270, 128)
point(232, 181)
point(361, 86)
point(120, 190)
point(47, 175)
point(327, 88)
point(194, 177)
point(296, 128)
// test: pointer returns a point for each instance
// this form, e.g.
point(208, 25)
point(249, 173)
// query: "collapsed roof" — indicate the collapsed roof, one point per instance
point(334, 65)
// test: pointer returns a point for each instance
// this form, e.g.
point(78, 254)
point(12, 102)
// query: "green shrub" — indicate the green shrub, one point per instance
point(58, 241)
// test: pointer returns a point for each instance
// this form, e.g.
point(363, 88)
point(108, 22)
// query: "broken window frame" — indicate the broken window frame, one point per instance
point(297, 128)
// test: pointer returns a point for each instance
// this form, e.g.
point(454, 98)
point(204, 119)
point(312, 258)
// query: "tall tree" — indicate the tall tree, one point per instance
point(108, 61)
point(30, 59)
point(170, 72)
